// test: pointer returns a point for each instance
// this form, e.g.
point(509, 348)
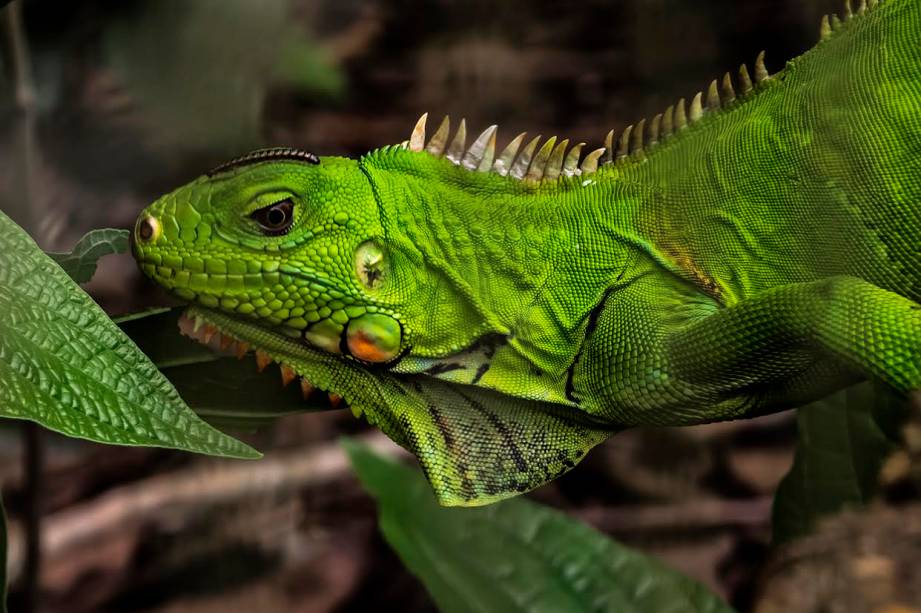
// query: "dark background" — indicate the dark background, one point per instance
point(119, 101)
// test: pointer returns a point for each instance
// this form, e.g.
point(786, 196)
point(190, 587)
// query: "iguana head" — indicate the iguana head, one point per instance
point(290, 254)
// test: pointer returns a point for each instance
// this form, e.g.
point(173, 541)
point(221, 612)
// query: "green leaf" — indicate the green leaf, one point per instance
point(516, 555)
point(80, 263)
point(67, 366)
point(839, 452)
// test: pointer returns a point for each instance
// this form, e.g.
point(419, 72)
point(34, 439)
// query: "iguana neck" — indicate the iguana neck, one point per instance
point(532, 260)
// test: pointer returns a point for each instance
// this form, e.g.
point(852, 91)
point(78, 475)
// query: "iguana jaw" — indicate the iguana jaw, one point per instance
point(233, 336)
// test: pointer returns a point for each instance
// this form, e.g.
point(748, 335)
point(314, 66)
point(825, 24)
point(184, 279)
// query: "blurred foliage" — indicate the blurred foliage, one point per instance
point(840, 449)
point(199, 87)
point(65, 365)
point(516, 555)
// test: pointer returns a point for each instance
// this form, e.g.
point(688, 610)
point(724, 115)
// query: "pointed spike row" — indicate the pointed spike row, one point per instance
point(697, 108)
point(729, 92)
point(262, 360)
point(835, 22)
point(590, 163)
point(478, 150)
point(306, 388)
point(287, 374)
point(571, 163)
point(713, 96)
point(668, 122)
point(555, 162)
point(745, 81)
point(458, 145)
point(848, 9)
point(862, 8)
point(681, 117)
point(623, 145)
point(872, 3)
point(608, 148)
point(417, 138)
point(439, 139)
point(655, 128)
point(761, 73)
point(539, 163)
point(241, 349)
point(824, 28)
point(504, 161)
point(521, 164)
point(636, 146)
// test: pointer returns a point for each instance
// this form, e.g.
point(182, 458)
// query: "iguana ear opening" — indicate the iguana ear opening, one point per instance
point(478, 446)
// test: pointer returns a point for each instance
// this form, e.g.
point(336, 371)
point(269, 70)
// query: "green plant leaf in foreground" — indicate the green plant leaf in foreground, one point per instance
point(839, 452)
point(516, 555)
point(80, 263)
point(67, 366)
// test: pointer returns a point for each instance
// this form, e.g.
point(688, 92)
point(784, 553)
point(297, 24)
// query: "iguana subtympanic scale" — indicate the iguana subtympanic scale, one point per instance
point(499, 315)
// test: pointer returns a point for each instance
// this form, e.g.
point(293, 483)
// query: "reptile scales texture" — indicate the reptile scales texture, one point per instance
point(500, 312)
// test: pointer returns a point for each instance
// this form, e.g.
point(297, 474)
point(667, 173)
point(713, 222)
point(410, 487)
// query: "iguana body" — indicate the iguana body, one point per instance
point(501, 323)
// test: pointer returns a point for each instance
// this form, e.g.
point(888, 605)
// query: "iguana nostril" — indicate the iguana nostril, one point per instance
point(148, 229)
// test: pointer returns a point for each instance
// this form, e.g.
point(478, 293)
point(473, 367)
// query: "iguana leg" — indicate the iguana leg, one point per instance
point(747, 358)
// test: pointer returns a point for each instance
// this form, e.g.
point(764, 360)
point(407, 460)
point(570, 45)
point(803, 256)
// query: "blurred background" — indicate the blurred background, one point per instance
point(106, 104)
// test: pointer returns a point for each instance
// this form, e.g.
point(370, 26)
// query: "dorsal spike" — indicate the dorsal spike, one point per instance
point(555, 162)
point(655, 129)
point(835, 22)
point(848, 9)
point(729, 92)
point(668, 122)
point(590, 163)
point(458, 145)
point(439, 139)
point(697, 107)
point(608, 148)
point(489, 154)
point(623, 145)
point(681, 117)
point(862, 7)
point(476, 152)
point(539, 164)
point(824, 28)
point(417, 138)
point(713, 96)
point(872, 3)
point(571, 163)
point(521, 164)
point(745, 81)
point(504, 161)
point(639, 132)
point(761, 73)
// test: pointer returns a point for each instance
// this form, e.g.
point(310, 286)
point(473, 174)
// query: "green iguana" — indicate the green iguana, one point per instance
point(752, 251)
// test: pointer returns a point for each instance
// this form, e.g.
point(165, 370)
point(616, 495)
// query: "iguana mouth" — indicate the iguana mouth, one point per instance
point(194, 323)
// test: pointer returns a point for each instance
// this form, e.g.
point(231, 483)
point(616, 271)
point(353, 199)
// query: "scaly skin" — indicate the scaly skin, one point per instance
point(762, 257)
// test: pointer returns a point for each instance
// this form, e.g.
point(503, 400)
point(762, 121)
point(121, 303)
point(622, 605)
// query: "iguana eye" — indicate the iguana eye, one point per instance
point(275, 219)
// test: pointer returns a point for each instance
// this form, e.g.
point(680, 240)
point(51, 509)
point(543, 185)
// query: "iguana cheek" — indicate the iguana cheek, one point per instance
point(374, 337)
